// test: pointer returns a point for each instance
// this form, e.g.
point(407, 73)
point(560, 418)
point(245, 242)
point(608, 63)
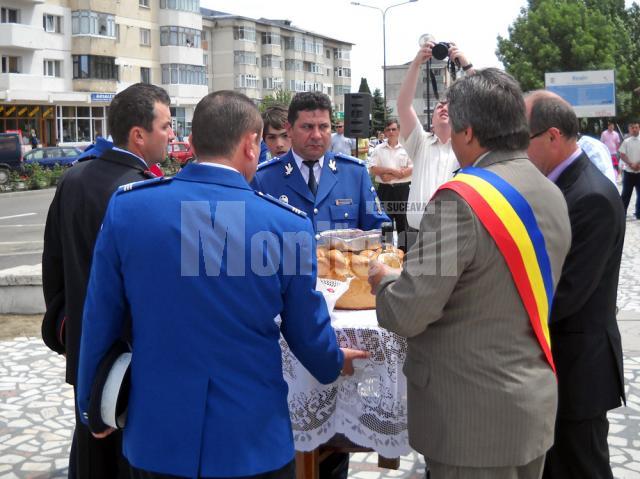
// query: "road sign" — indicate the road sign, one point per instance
point(339, 115)
point(591, 93)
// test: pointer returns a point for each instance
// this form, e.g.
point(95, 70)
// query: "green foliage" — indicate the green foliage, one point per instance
point(573, 35)
point(364, 86)
point(280, 97)
point(378, 115)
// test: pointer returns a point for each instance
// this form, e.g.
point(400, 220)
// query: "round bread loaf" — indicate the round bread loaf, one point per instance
point(339, 265)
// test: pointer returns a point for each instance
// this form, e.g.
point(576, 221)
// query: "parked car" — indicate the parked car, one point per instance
point(53, 155)
point(180, 151)
point(10, 155)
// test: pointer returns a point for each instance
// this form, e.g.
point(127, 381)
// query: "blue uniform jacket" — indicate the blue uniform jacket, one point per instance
point(96, 149)
point(345, 198)
point(203, 278)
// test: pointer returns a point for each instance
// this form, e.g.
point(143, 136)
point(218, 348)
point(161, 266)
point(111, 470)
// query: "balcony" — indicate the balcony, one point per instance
point(21, 37)
point(185, 55)
point(95, 85)
point(186, 94)
point(179, 18)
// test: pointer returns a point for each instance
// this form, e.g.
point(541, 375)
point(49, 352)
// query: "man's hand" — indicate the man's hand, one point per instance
point(456, 54)
point(377, 271)
point(349, 356)
point(103, 434)
point(387, 177)
point(424, 54)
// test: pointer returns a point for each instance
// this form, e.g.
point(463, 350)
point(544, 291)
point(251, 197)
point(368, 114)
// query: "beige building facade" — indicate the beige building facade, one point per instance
point(259, 57)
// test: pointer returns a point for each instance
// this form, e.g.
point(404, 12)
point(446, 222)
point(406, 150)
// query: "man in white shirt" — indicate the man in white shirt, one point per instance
point(630, 155)
point(393, 167)
point(611, 138)
point(433, 159)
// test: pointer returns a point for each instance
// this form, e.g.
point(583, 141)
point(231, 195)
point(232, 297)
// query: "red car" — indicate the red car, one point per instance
point(180, 151)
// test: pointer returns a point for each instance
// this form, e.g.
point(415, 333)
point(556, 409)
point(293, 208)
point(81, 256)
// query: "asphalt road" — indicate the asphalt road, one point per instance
point(22, 218)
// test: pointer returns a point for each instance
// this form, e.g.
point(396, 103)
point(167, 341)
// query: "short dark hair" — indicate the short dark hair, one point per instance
point(550, 111)
point(220, 120)
point(308, 101)
point(134, 106)
point(390, 121)
point(491, 103)
point(275, 117)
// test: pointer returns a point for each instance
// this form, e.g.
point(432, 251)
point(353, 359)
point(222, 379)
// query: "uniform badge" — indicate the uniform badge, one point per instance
point(373, 189)
point(284, 199)
point(332, 165)
point(344, 201)
point(288, 169)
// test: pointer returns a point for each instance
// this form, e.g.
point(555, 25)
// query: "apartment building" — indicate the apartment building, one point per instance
point(64, 60)
point(258, 57)
point(426, 97)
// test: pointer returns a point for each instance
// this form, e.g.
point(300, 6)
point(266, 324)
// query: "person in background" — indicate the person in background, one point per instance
point(140, 122)
point(630, 155)
point(275, 134)
point(599, 155)
point(585, 340)
point(611, 139)
point(434, 161)
point(393, 167)
point(340, 143)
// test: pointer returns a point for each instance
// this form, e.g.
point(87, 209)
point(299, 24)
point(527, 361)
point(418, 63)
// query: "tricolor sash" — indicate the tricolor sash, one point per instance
point(510, 221)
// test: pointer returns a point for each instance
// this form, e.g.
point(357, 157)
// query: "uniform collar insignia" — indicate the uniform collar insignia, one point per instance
point(332, 165)
point(288, 169)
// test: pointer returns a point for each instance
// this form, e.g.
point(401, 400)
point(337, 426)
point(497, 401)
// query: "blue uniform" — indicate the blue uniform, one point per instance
point(345, 198)
point(208, 398)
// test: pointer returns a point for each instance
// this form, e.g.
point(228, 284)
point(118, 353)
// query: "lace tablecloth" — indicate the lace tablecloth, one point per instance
point(370, 407)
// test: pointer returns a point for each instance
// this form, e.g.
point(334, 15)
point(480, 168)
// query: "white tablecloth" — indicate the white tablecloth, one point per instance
point(370, 407)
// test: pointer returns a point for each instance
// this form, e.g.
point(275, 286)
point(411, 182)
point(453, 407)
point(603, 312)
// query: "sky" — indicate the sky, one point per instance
point(473, 25)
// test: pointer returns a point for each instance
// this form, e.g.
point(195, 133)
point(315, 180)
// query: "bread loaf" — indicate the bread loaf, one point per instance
point(340, 265)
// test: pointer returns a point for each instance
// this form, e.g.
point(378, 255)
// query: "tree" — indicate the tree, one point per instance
point(364, 86)
point(570, 35)
point(377, 112)
point(280, 97)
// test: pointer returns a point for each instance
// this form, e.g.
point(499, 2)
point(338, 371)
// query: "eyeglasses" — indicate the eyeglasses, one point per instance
point(390, 129)
point(536, 135)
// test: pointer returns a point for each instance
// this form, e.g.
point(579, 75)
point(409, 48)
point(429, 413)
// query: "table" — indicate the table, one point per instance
point(369, 408)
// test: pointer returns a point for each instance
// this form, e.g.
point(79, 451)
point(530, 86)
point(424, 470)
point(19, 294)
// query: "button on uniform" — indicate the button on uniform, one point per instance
point(315, 211)
point(317, 237)
point(346, 215)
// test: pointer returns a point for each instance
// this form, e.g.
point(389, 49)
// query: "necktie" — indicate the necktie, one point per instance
point(313, 185)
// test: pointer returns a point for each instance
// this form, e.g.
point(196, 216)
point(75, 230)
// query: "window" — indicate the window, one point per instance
point(343, 72)
point(244, 58)
point(244, 33)
point(180, 37)
point(94, 67)
point(269, 38)
point(10, 64)
point(293, 65)
point(205, 59)
point(145, 75)
point(181, 74)
point(271, 61)
point(272, 83)
point(342, 89)
point(143, 3)
point(246, 81)
point(341, 53)
point(294, 43)
point(145, 37)
point(9, 15)
point(85, 22)
point(184, 5)
point(327, 53)
point(313, 68)
point(296, 85)
point(52, 23)
point(51, 68)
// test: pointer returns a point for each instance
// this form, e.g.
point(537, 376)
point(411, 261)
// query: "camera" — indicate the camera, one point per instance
point(440, 50)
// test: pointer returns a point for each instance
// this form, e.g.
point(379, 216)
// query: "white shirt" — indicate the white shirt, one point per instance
point(391, 157)
point(218, 165)
point(631, 148)
point(433, 164)
point(599, 155)
point(317, 168)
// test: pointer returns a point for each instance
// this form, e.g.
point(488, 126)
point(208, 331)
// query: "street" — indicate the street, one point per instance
point(22, 218)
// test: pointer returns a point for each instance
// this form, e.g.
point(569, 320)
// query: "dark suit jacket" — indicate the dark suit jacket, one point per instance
point(585, 339)
point(73, 222)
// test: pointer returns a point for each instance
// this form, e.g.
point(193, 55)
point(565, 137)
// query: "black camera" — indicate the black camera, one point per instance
point(440, 50)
